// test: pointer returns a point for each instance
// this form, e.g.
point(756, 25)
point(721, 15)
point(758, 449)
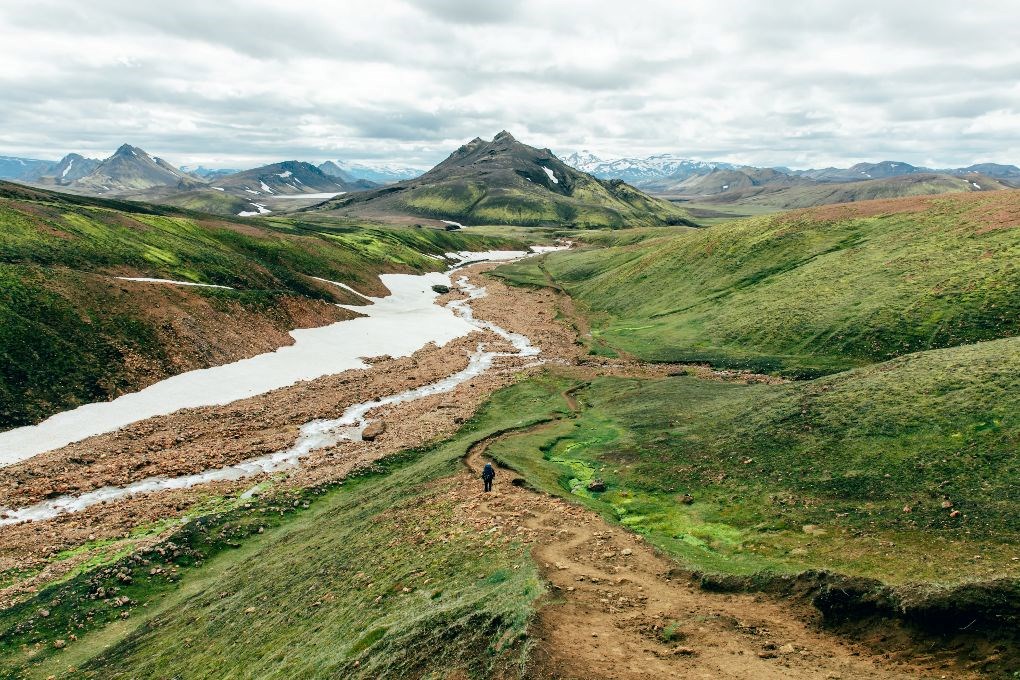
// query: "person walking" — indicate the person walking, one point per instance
point(488, 474)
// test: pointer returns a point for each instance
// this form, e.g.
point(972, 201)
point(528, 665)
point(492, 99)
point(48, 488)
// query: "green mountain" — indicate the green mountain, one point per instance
point(507, 182)
point(807, 292)
point(71, 332)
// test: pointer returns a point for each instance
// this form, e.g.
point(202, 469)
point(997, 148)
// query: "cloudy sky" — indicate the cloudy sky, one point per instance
point(231, 83)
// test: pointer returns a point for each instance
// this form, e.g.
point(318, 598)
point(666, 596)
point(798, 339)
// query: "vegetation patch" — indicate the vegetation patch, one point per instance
point(806, 293)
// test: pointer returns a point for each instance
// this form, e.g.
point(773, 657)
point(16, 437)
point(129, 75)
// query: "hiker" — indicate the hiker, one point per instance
point(488, 474)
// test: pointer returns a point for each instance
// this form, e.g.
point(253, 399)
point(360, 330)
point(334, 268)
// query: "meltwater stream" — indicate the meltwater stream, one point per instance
point(314, 435)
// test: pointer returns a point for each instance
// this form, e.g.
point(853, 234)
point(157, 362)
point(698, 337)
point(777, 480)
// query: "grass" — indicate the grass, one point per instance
point(70, 334)
point(809, 292)
point(360, 584)
point(810, 475)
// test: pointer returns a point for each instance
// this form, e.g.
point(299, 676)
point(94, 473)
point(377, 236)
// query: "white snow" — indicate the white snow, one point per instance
point(342, 285)
point(286, 174)
point(397, 325)
point(725, 186)
point(67, 169)
point(326, 195)
point(313, 435)
point(259, 210)
point(265, 188)
point(171, 281)
point(551, 175)
point(298, 180)
point(252, 192)
point(456, 224)
point(976, 185)
point(217, 188)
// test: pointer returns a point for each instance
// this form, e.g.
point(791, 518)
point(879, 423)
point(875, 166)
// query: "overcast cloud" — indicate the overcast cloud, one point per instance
point(225, 83)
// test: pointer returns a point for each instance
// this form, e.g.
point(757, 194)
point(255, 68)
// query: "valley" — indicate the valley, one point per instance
point(777, 446)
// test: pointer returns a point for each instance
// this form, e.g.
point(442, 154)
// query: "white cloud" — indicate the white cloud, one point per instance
point(234, 83)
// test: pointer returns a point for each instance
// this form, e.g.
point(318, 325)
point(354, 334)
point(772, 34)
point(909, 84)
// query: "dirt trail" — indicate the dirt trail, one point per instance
point(615, 613)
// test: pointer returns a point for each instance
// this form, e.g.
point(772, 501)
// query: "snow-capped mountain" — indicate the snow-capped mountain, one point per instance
point(382, 173)
point(643, 171)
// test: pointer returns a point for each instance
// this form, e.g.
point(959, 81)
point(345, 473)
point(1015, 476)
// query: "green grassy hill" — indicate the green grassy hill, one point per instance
point(72, 333)
point(807, 292)
point(506, 182)
point(360, 584)
point(859, 472)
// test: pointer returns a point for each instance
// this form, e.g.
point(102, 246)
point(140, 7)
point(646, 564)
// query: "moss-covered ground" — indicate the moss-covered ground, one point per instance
point(904, 471)
point(377, 577)
point(809, 292)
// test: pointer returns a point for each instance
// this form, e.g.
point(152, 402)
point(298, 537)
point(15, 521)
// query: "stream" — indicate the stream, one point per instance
point(316, 434)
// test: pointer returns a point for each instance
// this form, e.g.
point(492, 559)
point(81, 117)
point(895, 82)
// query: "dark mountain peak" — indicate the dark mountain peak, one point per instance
point(128, 150)
point(504, 136)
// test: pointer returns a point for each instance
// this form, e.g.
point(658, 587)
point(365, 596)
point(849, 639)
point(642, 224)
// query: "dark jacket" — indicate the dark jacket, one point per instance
point(488, 472)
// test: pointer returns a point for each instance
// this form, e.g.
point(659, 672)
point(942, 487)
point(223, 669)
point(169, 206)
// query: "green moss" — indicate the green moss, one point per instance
point(841, 455)
point(803, 293)
point(356, 585)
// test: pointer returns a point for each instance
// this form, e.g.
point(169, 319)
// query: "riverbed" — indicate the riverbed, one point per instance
point(396, 325)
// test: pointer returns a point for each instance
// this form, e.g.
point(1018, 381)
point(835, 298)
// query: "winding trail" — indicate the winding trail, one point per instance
point(617, 609)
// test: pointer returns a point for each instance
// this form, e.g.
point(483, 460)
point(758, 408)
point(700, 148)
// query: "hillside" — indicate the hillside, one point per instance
point(783, 195)
point(807, 292)
point(807, 475)
point(72, 332)
point(506, 182)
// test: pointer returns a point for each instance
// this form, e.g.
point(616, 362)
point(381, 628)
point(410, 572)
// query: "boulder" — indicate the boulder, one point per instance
point(596, 485)
point(373, 430)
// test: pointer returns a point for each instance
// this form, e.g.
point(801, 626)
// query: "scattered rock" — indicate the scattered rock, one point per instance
point(947, 504)
point(43, 613)
point(687, 499)
point(626, 551)
point(596, 485)
point(373, 430)
point(954, 513)
point(684, 651)
point(441, 289)
point(59, 644)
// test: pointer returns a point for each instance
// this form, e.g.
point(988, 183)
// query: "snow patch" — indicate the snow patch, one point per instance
point(217, 188)
point(326, 195)
point(285, 175)
point(252, 192)
point(265, 188)
point(259, 210)
point(456, 224)
point(144, 279)
point(67, 169)
point(551, 175)
point(976, 185)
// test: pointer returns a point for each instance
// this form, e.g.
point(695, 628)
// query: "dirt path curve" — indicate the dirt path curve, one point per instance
point(614, 612)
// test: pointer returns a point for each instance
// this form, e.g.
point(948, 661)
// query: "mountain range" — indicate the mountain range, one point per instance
point(651, 171)
point(503, 181)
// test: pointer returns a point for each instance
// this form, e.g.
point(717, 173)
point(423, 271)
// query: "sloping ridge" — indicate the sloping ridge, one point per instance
point(506, 182)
